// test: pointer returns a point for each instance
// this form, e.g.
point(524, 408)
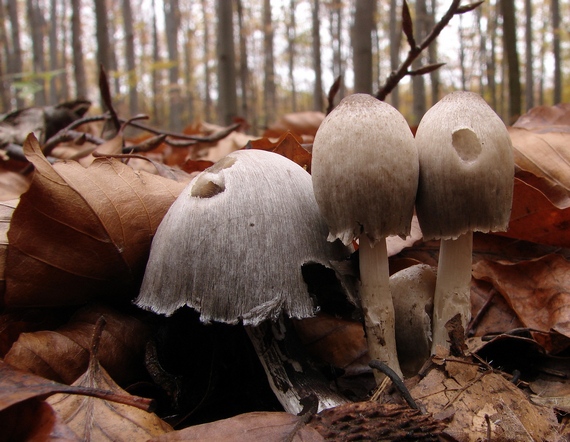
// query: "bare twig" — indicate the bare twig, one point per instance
point(415, 50)
point(398, 383)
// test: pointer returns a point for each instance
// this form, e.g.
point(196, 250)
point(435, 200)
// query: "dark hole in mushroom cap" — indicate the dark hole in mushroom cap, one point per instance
point(466, 144)
point(204, 187)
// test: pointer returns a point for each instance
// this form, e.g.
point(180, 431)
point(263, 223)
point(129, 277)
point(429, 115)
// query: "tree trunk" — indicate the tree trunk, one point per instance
point(156, 73)
point(462, 67)
point(53, 55)
point(269, 90)
point(510, 48)
point(227, 95)
point(172, 24)
point(432, 54)
point(555, 7)
point(395, 39)
point(418, 81)
point(190, 113)
point(243, 64)
point(336, 37)
point(317, 64)
point(103, 40)
point(492, 58)
point(363, 26)
point(130, 56)
point(77, 50)
point(529, 74)
point(37, 26)
point(206, 59)
point(15, 62)
point(291, 41)
point(4, 63)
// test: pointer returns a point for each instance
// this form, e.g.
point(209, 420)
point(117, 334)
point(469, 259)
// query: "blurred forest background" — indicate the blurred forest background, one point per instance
point(182, 61)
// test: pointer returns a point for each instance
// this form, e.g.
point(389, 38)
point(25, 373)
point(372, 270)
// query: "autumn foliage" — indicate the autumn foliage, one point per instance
point(75, 241)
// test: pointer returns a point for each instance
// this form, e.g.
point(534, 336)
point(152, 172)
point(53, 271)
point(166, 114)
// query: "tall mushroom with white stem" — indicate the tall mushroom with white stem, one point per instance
point(466, 184)
point(365, 177)
point(232, 247)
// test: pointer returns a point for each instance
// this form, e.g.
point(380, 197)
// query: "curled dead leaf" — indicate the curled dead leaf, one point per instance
point(82, 233)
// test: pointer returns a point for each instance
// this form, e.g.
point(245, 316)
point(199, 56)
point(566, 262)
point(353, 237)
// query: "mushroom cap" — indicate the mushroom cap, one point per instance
point(466, 168)
point(232, 245)
point(365, 170)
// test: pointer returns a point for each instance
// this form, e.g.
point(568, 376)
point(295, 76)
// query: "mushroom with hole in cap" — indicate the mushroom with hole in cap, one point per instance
point(466, 185)
point(365, 177)
point(233, 244)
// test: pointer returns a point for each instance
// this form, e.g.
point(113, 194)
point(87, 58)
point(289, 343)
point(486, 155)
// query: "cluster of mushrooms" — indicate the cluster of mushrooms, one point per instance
point(233, 244)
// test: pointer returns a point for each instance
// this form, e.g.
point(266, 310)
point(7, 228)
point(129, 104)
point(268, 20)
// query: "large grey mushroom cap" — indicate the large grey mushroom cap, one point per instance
point(466, 168)
point(365, 170)
point(232, 245)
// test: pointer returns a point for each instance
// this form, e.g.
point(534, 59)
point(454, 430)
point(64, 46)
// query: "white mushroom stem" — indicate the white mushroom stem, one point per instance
point(453, 287)
point(377, 304)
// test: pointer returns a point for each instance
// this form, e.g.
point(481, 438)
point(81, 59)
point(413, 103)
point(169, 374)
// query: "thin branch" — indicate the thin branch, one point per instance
point(395, 77)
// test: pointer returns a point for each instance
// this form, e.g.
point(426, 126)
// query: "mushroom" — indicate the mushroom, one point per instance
point(365, 177)
point(233, 244)
point(412, 290)
point(466, 184)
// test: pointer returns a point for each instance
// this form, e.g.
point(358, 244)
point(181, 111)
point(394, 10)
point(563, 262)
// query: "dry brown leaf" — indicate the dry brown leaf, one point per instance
point(96, 419)
point(251, 427)
point(544, 162)
point(82, 233)
point(336, 341)
point(546, 118)
point(534, 218)
point(63, 355)
point(303, 124)
point(34, 420)
point(537, 290)
point(12, 185)
point(288, 145)
point(460, 391)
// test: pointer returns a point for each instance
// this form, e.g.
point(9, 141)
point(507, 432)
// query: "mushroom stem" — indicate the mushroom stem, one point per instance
point(377, 304)
point(453, 286)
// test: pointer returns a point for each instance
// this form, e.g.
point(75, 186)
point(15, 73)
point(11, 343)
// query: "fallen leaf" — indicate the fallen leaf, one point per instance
point(460, 390)
point(63, 354)
point(96, 419)
point(12, 185)
point(544, 161)
point(82, 233)
point(6, 211)
point(34, 420)
point(545, 118)
point(288, 145)
point(538, 290)
point(534, 218)
point(303, 124)
point(255, 426)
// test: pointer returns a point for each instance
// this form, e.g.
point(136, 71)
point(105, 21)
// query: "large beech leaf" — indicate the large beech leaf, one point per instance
point(288, 145)
point(537, 290)
point(543, 160)
point(95, 419)
point(80, 233)
point(255, 426)
point(536, 219)
point(63, 354)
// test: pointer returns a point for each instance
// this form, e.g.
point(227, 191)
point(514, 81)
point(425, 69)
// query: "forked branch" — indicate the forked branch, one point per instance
point(415, 50)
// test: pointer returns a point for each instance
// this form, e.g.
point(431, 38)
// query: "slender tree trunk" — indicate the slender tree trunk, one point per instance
point(227, 95)
point(362, 45)
point(270, 93)
point(483, 58)
point(130, 56)
point(156, 73)
point(291, 49)
point(103, 40)
point(77, 50)
point(172, 22)
point(462, 67)
point(395, 40)
point(492, 58)
point(432, 54)
point(53, 55)
point(4, 63)
point(64, 42)
point(510, 48)
point(529, 74)
point(15, 62)
point(37, 26)
point(206, 59)
point(189, 74)
point(543, 44)
point(243, 64)
point(555, 7)
point(418, 81)
point(336, 37)
point(317, 64)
